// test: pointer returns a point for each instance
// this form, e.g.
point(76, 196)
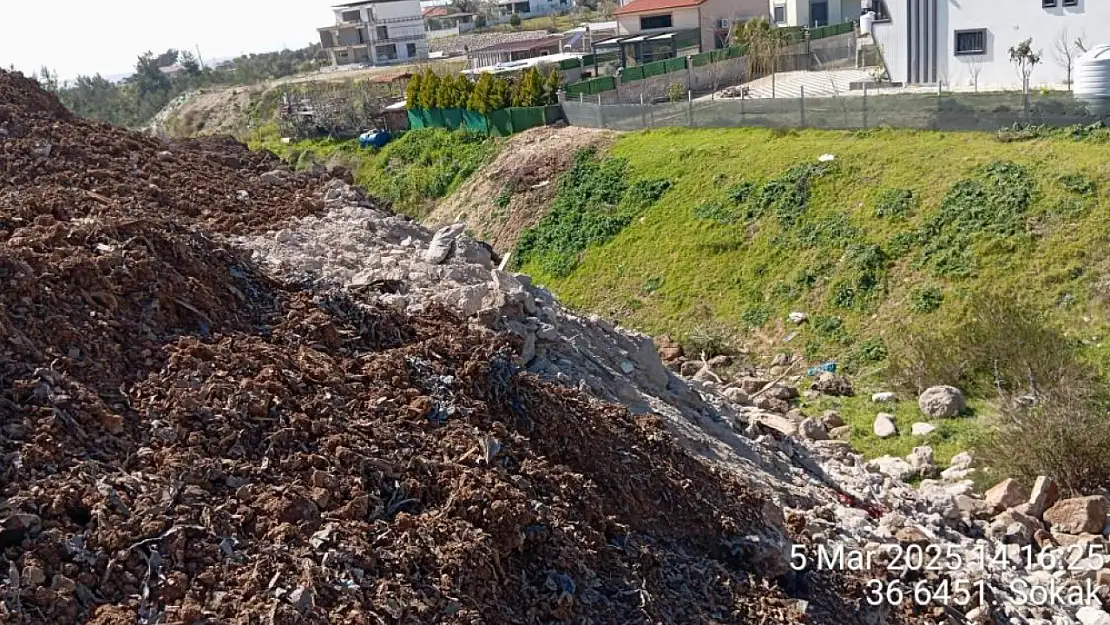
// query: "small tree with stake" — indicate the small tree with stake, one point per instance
point(1026, 59)
point(1065, 50)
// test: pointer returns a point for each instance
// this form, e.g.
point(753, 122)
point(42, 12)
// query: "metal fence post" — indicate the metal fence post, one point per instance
point(690, 106)
point(643, 111)
point(865, 106)
point(802, 89)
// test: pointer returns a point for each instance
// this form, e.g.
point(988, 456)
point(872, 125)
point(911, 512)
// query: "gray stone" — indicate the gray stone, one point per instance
point(1089, 615)
point(884, 397)
point(785, 393)
point(889, 465)
point(443, 242)
point(942, 401)
point(627, 367)
point(884, 426)
point(841, 433)
point(832, 419)
point(961, 460)
point(813, 430)
point(975, 508)
point(797, 317)
point(921, 460)
point(832, 384)
point(736, 395)
point(922, 429)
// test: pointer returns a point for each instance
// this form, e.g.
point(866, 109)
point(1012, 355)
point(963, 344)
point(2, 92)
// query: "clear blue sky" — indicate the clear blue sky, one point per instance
point(88, 36)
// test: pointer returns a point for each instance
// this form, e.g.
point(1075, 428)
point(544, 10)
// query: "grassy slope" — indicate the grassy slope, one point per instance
point(412, 172)
point(733, 275)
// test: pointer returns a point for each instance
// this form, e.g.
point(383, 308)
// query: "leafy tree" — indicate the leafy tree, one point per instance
point(445, 92)
point(500, 94)
point(551, 86)
point(429, 87)
point(189, 62)
point(481, 95)
point(479, 21)
point(514, 20)
point(529, 89)
point(1026, 59)
point(463, 87)
point(48, 80)
point(412, 92)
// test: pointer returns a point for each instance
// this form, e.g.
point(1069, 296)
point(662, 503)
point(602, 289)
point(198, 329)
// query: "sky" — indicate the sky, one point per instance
point(75, 37)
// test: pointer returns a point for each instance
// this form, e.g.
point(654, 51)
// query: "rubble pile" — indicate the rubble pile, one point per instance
point(185, 439)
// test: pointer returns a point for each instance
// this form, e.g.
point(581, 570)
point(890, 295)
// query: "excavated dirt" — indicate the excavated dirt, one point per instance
point(528, 170)
point(186, 440)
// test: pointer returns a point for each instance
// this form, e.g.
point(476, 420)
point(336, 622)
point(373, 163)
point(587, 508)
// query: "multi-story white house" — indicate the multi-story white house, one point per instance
point(963, 43)
point(813, 12)
point(530, 8)
point(376, 32)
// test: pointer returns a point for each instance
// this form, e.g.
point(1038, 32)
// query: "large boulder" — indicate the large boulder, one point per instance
point(1079, 515)
point(1045, 493)
point(443, 243)
point(921, 459)
point(942, 401)
point(1006, 494)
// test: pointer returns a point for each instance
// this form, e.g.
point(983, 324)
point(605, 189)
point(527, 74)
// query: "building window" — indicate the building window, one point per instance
point(971, 41)
point(882, 14)
point(655, 21)
point(1048, 4)
point(1071, 3)
point(382, 32)
point(780, 13)
point(388, 52)
point(411, 50)
point(351, 16)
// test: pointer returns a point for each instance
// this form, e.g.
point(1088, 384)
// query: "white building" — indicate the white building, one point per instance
point(376, 32)
point(966, 43)
point(813, 12)
point(531, 8)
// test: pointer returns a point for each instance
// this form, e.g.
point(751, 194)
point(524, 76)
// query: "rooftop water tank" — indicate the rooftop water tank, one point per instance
point(1091, 79)
point(866, 21)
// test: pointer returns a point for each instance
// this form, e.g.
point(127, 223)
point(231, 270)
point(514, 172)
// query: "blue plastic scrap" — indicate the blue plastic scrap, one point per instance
point(826, 367)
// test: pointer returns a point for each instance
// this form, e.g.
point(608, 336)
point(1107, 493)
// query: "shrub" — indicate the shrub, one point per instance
point(514, 20)
point(1078, 184)
point(755, 316)
point(709, 339)
point(1064, 435)
point(504, 197)
point(895, 203)
point(712, 211)
point(676, 92)
point(1001, 346)
point(926, 299)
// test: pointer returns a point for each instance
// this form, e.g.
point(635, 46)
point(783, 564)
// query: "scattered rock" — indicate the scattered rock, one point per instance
point(736, 395)
point(720, 361)
point(841, 433)
point(797, 317)
point(832, 419)
point(669, 349)
point(813, 430)
point(921, 461)
point(975, 508)
point(784, 393)
point(1078, 515)
point(1006, 494)
point(690, 368)
point(896, 468)
point(443, 242)
point(942, 401)
point(922, 429)
point(1089, 615)
point(884, 397)
point(961, 460)
point(884, 426)
point(833, 385)
point(1044, 494)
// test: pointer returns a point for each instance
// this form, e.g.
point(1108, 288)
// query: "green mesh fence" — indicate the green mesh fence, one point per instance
point(593, 86)
point(501, 123)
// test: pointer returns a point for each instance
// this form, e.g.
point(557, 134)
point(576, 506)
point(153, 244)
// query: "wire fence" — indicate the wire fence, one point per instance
point(944, 111)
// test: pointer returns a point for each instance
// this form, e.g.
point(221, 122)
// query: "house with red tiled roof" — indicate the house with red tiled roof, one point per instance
point(446, 21)
point(651, 30)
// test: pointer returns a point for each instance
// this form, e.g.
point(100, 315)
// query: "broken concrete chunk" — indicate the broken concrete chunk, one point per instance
point(1078, 515)
point(443, 242)
point(1044, 494)
point(1006, 494)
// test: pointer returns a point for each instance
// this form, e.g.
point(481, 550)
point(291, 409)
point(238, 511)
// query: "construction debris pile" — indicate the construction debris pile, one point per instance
point(185, 438)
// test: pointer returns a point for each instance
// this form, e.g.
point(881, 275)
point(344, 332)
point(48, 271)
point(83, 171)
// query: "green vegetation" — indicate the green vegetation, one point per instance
point(881, 251)
point(411, 172)
point(136, 99)
point(593, 204)
point(533, 87)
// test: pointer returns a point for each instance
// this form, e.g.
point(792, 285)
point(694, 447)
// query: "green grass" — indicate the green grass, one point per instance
point(412, 172)
point(899, 229)
point(951, 437)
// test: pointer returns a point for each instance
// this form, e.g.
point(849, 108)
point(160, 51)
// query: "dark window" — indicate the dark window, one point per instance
point(411, 50)
point(1071, 3)
point(655, 21)
point(881, 12)
point(382, 32)
point(971, 41)
point(351, 16)
point(780, 13)
point(1048, 4)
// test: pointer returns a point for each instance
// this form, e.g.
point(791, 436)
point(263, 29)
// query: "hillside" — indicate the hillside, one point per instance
point(897, 228)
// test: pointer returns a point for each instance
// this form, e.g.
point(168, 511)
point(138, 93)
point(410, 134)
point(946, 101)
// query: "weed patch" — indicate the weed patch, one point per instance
point(593, 203)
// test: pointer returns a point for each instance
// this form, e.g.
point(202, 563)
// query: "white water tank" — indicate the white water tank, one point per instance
point(1091, 79)
point(865, 22)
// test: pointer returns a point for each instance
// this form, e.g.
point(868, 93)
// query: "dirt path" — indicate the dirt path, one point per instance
point(527, 173)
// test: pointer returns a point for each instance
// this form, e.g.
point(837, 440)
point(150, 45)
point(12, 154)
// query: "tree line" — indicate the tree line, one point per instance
point(533, 87)
point(133, 101)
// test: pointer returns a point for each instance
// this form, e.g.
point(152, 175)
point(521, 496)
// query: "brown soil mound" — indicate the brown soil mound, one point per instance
point(527, 171)
point(185, 441)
